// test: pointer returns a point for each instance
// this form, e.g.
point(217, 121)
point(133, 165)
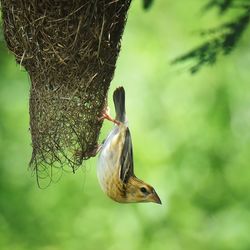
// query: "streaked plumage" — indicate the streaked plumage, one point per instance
point(115, 168)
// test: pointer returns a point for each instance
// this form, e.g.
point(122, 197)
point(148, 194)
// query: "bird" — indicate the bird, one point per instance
point(115, 165)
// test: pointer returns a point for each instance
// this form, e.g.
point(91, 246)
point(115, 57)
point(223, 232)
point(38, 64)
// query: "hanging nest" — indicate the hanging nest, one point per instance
point(69, 49)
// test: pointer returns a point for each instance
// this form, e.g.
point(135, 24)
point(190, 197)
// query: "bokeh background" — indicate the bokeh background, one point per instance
point(191, 136)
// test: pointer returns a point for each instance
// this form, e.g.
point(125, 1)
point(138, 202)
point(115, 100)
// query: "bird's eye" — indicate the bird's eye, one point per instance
point(144, 190)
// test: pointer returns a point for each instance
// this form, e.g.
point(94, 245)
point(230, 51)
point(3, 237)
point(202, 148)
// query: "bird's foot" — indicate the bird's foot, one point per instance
point(79, 153)
point(106, 115)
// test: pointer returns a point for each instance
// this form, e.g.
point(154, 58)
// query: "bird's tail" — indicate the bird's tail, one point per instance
point(119, 101)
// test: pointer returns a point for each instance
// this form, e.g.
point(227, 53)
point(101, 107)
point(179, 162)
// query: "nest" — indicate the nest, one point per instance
point(69, 49)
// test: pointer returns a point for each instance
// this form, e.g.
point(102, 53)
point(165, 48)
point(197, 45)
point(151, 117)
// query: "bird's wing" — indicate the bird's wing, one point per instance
point(127, 161)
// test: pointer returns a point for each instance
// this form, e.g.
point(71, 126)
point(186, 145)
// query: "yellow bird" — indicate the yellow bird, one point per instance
point(115, 168)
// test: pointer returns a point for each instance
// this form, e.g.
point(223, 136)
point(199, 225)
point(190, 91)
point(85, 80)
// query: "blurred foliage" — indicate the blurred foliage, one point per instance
point(147, 4)
point(222, 5)
point(223, 39)
point(191, 138)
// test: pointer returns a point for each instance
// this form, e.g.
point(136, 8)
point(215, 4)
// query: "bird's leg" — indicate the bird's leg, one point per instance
point(97, 150)
point(106, 115)
point(93, 153)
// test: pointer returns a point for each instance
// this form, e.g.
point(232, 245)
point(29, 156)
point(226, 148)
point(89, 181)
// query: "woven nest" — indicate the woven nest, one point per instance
point(69, 49)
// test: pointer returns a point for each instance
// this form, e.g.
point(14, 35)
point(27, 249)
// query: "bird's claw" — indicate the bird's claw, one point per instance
point(93, 153)
point(106, 115)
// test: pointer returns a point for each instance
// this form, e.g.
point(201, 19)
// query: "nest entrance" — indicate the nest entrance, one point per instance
point(69, 49)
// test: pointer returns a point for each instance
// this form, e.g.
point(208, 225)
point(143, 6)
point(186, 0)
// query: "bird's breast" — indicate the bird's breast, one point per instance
point(108, 167)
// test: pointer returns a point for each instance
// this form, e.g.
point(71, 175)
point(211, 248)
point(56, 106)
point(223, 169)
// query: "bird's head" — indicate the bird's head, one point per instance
point(139, 191)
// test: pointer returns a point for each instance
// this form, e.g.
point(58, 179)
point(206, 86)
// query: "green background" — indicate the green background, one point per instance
point(191, 136)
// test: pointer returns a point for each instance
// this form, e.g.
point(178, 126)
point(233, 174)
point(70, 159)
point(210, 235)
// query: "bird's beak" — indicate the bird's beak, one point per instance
point(155, 198)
